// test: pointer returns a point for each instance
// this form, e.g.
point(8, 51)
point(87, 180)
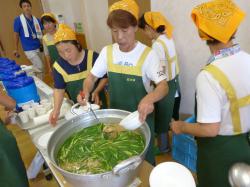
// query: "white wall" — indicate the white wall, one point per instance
point(96, 14)
point(91, 13)
point(193, 53)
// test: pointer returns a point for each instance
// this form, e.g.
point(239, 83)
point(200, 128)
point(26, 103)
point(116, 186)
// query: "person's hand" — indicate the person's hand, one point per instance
point(54, 117)
point(95, 98)
point(82, 98)
point(3, 53)
point(145, 107)
point(9, 115)
point(50, 72)
point(177, 126)
point(16, 54)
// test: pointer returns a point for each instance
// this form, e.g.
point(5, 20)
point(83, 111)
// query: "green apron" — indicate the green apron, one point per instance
point(74, 82)
point(53, 53)
point(126, 90)
point(12, 172)
point(216, 155)
point(177, 100)
point(164, 107)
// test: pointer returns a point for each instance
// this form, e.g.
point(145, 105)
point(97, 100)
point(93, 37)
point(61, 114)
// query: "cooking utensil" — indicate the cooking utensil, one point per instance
point(131, 121)
point(239, 175)
point(92, 111)
point(122, 174)
point(77, 109)
point(89, 106)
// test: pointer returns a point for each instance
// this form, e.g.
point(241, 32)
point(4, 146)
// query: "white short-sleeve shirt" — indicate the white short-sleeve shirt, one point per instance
point(212, 102)
point(158, 48)
point(151, 69)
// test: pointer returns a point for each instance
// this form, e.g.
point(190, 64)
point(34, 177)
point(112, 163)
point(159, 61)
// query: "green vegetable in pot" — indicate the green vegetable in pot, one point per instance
point(97, 149)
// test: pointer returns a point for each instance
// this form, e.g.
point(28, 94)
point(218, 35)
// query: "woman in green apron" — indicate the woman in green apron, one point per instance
point(71, 69)
point(131, 66)
point(159, 30)
point(50, 26)
point(12, 172)
point(223, 96)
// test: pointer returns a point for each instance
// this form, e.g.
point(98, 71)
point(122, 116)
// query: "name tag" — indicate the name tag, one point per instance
point(130, 80)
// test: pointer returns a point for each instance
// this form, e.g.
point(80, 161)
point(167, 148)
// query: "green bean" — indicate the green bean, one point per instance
point(89, 149)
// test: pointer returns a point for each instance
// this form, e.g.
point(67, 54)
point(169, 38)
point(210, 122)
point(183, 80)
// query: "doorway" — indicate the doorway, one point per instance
point(9, 10)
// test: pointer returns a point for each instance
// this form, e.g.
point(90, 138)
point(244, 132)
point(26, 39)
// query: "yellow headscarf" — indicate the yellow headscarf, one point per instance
point(64, 32)
point(218, 19)
point(49, 15)
point(127, 5)
point(156, 19)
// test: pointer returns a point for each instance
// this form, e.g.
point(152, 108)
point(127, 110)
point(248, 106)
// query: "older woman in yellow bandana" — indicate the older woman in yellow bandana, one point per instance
point(159, 30)
point(223, 96)
point(131, 66)
point(71, 68)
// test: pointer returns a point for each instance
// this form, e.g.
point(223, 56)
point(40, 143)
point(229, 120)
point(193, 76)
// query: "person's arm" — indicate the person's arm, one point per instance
point(197, 129)
point(9, 104)
point(2, 51)
point(7, 101)
point(152, 70)
point(16, 42)
point(48, 63)
point(58, 100)
point(209, 105)
point(146, 105)
point(88, 86)
point(98, 71)
point(47, 57)
point(158, 48)
point(95, 94)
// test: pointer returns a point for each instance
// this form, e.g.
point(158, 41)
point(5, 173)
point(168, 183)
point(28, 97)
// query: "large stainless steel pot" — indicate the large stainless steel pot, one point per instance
point(122, 174)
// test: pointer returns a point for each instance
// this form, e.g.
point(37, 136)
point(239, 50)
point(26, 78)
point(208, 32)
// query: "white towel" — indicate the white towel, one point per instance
point(25, 27)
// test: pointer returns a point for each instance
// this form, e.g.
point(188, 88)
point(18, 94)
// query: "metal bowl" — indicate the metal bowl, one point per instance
point(122, 174)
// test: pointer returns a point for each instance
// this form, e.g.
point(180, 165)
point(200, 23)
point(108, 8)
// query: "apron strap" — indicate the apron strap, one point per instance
point(47, 41)
point(70, 77)
point(110, 54)
point(129, 70)
point(89, 60)
point(143, 57)
point(170, 60)
point(235, 103)
point(244, 101)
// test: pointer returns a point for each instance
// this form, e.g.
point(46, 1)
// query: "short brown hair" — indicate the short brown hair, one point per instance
point(121, 18)
point(73, 42)
point(215, 42)
point(24, 1)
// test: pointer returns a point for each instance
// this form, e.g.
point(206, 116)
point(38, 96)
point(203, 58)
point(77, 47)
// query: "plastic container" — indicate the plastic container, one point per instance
point(11, 76)
point(185, 159)
point(10, 68)
point(7, 77)
point(6, 62)
point(23, 90)
point(184, 148)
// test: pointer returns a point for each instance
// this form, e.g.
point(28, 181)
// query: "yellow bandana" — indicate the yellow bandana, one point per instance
point(127, 5)
point(49, 15)
point(156, 19)
point(218, 19)
point(63, 33)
